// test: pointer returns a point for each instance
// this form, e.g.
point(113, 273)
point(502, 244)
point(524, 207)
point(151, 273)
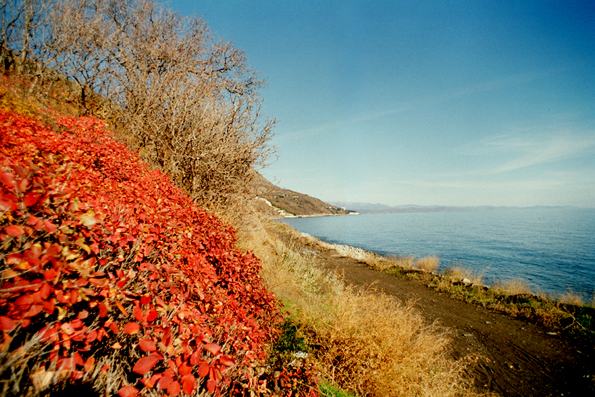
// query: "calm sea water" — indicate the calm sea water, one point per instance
point(549, 248)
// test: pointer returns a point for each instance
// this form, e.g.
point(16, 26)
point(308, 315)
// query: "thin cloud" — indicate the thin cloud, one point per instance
point(540, 150)
point(412, 104)
point(495, 186)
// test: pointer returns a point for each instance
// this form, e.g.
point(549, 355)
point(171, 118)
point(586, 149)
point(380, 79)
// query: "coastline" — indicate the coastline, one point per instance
point(567, 313)
point(525, 346)
point(290, 216)
point(502, 248)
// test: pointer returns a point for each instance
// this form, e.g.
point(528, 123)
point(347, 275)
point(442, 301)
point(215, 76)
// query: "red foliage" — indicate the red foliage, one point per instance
point(102, 251)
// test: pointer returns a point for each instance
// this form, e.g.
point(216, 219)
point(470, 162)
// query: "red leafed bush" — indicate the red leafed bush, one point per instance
point(111, 275)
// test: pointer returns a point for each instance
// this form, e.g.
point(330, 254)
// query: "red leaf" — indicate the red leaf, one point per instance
point(121, 307)
point(74, 296)
point(45, 291)
point(91, 336)
point(150, 383)
point(203, 370)
point(14, 230)
point(31, 198)
point(213, 348)
point(22, 185)
point(49, 275)
point(24, 301)
point(50, 227)
point(102, 309)
point(46, 333)
point(5, 206)
point(145, 300)
point(227, 361)
point(21, 171)
point(34, 310)
point(49, 306)
point(7, 324)
point(114, 327)
point(67, 328)
point(94, 248)
point(165, 381)
point(166, 340)
point(174, 389)
point(188, 384)
point(145, 364)
point(147, 345)
point(184, 369)
point(89, 364)
point(128, 391)
point(131, 328)
point(152, 315)
point(77, 359)
point(138, 313)
point(211, 386)
point(195, 358)
point(7, 179)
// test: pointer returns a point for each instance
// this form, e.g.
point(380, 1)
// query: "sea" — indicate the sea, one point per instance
point(551, 249)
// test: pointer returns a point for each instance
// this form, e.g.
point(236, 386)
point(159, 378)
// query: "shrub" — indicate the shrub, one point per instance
point(111, 275)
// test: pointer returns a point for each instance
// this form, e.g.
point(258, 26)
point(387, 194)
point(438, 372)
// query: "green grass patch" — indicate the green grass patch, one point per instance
point(327, 389)
point(578, 320)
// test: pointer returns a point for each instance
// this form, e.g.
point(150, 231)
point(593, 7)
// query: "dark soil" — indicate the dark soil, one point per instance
point(516, 358)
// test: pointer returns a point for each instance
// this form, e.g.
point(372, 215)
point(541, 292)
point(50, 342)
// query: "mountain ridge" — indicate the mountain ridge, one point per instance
point(278, 202)
point(377, 208)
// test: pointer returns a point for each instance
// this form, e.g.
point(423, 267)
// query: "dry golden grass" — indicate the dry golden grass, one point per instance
point(428, 264)
point(392, 262)
point(460, 273)
point(374, 346)
point(571, 298)
point(513, 287)
point(365, 342)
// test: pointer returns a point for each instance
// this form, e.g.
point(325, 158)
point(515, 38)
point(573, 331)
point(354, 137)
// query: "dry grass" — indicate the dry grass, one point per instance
point(459, 273)
point(375, 346)
point(571, 298)
point(428, 264)
point(513, 287)
point(365, 342)
point(385, 264)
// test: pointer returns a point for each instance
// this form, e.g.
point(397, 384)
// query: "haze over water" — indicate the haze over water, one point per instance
point(552, 249)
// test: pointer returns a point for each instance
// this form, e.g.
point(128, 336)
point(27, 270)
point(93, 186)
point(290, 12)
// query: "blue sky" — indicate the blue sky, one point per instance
point(423, 102)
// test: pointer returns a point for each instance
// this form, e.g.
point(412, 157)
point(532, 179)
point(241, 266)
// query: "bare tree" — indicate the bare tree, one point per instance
point(186, 101)
point(20, 23)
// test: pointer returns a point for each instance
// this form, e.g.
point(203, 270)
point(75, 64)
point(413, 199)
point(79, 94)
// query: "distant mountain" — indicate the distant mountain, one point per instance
point(276, 201)
point(369, 208)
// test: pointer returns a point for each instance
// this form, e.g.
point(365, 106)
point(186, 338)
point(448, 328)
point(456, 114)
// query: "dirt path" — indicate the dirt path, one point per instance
point(518, 358)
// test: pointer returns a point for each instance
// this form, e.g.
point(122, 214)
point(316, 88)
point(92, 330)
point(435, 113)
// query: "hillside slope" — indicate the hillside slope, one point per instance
point(283, 202)
point(112, 277)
